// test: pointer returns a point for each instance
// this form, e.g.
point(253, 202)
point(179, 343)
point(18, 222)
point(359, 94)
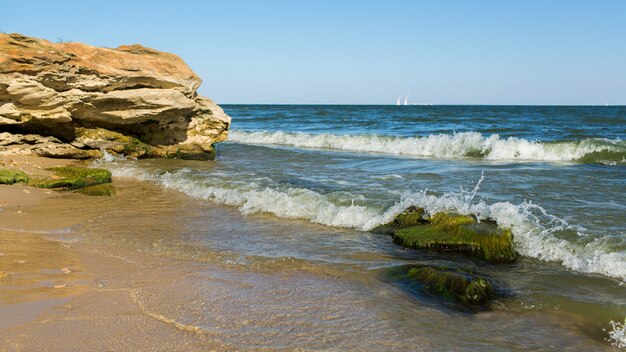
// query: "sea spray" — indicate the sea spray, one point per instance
point(535, 231)
point(617, 334)
point(448, 146)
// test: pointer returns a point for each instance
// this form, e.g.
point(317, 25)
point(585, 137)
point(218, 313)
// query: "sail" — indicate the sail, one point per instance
point(398, 101)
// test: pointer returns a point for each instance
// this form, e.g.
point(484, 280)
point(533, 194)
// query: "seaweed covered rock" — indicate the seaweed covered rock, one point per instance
point(409, 217)
point(9, 177)
point(452, 232)
point(98, 190)
point(54, 95)
point(69, 178)
point(88, 181)
point(462, 286)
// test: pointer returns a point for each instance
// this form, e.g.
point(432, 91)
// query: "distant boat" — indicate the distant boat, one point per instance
point(406, 100)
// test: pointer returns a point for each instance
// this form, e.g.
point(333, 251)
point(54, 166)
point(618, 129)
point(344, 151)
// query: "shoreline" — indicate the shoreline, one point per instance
point(129, 284)
point(56, 292)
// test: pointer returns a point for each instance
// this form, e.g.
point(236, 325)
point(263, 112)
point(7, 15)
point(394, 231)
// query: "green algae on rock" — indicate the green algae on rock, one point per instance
point(98, 190)
point(119, 144)
point(73, 178)
point(451, 232)
point(462, 233)
point(410, 217)
point(9, 177)
point(462, 286)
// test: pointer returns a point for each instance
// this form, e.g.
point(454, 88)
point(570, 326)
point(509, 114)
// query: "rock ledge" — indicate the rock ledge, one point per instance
point(72, 100)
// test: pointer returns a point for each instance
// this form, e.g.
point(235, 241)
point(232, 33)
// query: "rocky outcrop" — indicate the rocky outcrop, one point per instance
point(74, 100)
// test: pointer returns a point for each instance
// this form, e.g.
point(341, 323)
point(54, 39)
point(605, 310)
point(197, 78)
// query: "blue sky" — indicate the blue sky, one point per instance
point(363, 52)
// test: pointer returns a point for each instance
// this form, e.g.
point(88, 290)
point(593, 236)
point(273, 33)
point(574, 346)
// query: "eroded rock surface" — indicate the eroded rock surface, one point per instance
point(72, 100)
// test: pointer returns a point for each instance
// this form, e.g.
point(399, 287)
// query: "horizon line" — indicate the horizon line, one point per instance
point(431, 104)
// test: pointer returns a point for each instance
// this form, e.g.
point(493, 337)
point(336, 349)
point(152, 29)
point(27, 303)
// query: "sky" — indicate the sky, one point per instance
point(533, 52)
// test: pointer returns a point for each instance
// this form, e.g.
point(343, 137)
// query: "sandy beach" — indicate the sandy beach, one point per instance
point(129, 272)
point(56, 293)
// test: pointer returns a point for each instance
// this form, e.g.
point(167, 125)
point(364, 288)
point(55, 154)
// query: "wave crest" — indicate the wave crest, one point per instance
point(535, 231)
point(448, 146)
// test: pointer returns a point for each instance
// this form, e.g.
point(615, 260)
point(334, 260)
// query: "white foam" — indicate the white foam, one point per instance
point(617, 334)
point(533, 228)
point(446, 146)
point(108, 157)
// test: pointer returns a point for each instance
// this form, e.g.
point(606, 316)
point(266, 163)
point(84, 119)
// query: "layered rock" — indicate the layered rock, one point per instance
point(74, 100)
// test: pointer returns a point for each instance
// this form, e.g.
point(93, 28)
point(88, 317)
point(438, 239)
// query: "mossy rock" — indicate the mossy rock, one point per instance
point(460, 233)
point(9, 177)
point(98, 190)
point(451, 232)
point(113, 142)
point(410, 217)
point(74, 178)
point(462, 286)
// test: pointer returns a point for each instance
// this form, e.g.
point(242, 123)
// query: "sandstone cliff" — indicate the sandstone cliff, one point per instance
point(74, 100)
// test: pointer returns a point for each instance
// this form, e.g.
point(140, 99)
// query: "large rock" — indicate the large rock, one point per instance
point(53, 95)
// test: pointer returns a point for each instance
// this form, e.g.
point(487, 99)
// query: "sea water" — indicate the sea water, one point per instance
point(302, 186)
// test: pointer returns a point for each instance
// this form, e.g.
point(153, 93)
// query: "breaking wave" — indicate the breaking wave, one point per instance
point(449, 146)
point(536, 232)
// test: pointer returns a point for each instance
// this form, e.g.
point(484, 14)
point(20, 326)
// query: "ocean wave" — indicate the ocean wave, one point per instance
point(535, 231)
point(448, 146)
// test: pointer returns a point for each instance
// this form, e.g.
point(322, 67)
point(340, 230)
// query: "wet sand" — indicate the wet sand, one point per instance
point(58, 295)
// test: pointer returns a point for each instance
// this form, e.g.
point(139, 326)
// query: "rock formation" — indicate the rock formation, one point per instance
point(73, 100)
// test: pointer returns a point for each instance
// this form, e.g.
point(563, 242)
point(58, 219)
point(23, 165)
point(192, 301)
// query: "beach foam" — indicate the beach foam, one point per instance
point(535, 230)
point(448, 146)
point(617, 334)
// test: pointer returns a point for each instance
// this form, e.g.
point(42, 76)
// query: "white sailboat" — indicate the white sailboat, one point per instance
point(406, 100)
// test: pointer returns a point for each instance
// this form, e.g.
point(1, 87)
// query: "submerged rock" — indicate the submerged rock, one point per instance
point(462, 286)
point(98, 190)
point(9, 177)
point(69, 178)
point(452, 232)
point(71, 100)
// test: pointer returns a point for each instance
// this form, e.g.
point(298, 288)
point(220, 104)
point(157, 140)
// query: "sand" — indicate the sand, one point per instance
point(57, 294)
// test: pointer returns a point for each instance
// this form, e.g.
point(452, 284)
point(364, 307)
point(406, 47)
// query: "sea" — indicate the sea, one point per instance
point(287, 208)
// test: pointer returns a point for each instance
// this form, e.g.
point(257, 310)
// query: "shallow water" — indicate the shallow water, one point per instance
point(310, 181)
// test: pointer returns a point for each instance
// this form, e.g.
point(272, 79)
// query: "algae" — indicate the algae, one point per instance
point(461, 233)
point(451, 232)
point(410, 217)
point(9, 177)
point(98, 190)
point(69, 178)
point(462, 286)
